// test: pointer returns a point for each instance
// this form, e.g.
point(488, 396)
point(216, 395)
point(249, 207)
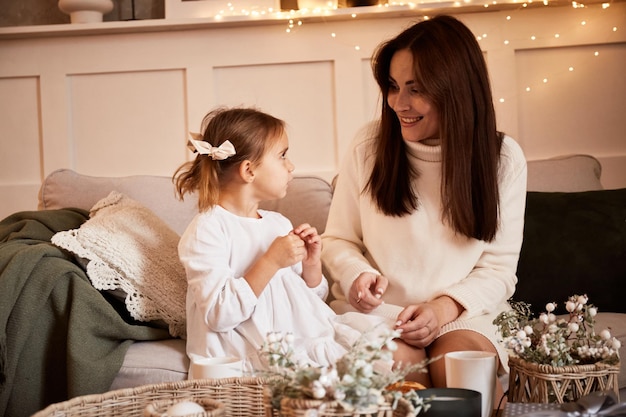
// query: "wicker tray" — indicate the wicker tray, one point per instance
point(534, 383)
point(242, 397)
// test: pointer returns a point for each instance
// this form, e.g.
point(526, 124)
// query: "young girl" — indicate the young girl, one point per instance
point(250, 271)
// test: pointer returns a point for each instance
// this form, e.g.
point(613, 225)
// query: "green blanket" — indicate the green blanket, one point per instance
point(59, 336)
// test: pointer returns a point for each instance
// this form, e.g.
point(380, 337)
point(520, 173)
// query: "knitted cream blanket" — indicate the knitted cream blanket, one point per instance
point(127, 247)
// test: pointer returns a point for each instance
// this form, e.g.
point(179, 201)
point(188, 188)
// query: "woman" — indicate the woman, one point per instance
point(426, 222)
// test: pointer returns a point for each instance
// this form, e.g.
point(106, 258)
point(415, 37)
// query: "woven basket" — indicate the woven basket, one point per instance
point(212, 408)
point(535, 383)
point(301, 407)
point(242, 397)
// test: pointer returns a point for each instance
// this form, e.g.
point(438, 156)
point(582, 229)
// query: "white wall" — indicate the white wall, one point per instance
point(117, 98)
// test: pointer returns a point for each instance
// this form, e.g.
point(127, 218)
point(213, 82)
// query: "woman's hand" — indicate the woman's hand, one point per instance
point(420, 323)
point(366, 291)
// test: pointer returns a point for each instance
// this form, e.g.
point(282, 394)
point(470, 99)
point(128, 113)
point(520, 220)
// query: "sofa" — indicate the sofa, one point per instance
point(574, 243)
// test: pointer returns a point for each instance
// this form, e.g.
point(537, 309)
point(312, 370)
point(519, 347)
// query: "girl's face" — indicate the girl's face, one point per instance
point(274, 171)
point(419, 120)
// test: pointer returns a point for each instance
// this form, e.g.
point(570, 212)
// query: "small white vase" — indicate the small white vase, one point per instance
point(86, 11)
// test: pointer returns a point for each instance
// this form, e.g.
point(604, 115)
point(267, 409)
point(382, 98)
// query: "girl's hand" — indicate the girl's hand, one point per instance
point(286, 251)
point(366, 291)
point(419, 324)
point(312, 242)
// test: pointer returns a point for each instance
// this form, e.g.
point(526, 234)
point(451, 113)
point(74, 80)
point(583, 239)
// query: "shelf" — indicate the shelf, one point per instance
point(259, 19)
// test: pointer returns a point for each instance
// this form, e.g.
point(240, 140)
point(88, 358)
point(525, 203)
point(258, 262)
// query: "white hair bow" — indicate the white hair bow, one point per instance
point(219, 153)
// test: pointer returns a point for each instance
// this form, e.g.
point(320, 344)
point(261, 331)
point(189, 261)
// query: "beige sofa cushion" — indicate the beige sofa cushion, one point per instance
point(66, 188)
point(308, 198)
point(570, 173)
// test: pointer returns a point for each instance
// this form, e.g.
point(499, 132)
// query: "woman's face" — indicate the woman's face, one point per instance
point(419, 120)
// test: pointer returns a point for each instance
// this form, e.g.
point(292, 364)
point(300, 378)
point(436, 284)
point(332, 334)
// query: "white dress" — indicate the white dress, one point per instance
point(224, 316)
point(421, 256)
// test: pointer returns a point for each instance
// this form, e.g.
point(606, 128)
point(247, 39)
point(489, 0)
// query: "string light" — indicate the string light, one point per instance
point(293, 19)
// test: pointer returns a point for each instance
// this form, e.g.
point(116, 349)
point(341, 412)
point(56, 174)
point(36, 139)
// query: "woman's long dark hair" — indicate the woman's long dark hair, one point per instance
point(450, 66)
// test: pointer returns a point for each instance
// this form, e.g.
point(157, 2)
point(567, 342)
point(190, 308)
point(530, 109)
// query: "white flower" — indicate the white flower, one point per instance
point(573, 327)
point(605, 334)
point(318, 390)
point(391, 345)
point(550, 307)
point(339, 395)
point(289, 338)
point(367, 370)
point(347, 379)
point(616, 344)
point(570, 306)
point(528, 329)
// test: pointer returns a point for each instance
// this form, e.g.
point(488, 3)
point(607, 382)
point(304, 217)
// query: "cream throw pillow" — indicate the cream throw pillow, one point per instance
point(127, 247)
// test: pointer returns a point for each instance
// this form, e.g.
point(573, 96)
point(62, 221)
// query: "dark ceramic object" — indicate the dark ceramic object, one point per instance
point(451, 402)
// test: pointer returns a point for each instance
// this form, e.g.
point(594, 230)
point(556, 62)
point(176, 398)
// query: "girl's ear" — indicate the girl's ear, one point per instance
point(246, 172)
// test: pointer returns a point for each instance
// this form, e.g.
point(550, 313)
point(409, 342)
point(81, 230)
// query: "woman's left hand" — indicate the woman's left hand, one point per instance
point(419, 325)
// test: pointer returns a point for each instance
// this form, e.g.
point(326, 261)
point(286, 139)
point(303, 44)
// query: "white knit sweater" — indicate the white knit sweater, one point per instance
point(420, 256)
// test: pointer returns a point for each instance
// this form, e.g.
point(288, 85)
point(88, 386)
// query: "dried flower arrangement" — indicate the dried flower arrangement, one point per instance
point(554, 340)
point(353, 382)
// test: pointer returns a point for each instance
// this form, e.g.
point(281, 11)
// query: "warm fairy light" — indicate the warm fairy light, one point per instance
point(292, 18)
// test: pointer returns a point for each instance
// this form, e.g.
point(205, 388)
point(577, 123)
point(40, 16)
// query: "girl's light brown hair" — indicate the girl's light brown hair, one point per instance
point(251, 132)
point(449, 65)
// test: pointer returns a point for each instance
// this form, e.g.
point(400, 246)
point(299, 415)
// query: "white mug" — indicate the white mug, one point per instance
point(475, 370)
point(219, 367)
